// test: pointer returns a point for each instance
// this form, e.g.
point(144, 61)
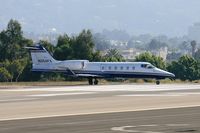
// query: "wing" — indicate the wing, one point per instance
point(89, 75)
point(71, 73)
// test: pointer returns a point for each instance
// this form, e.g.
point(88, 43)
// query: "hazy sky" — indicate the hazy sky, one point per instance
point(170, 17)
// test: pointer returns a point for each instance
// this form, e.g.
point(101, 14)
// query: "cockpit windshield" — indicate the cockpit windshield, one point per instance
point(147, 66)
point(150, 66)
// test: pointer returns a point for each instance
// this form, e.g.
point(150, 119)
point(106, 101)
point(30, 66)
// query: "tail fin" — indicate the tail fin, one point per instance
point(40, 56)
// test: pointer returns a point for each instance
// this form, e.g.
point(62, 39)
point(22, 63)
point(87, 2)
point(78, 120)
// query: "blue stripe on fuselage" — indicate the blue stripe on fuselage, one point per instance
point(110, 74)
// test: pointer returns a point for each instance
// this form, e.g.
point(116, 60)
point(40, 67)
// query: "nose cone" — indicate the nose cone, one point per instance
point(171, 75)
point(168, 74)
point(165, 73)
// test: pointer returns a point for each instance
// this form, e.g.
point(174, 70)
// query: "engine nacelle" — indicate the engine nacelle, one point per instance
point(73, 64)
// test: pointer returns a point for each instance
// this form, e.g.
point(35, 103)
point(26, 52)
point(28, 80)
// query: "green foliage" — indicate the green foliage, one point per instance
point(13, 56)
point(186, 68)
point(77, 47)
point(52, 77)
point(49, 47)
point(113, 55)
point(96, 56)
point(154, 60)
point(12, 42)
point(5, 76)
point(83, 45)
point(14, 32)
point(14, 68)
point(28, 75)
point(197, 54)
point(63, 40)
point(63, 50)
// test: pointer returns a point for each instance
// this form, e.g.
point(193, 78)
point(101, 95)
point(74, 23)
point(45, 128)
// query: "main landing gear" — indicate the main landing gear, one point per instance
point(93, 82)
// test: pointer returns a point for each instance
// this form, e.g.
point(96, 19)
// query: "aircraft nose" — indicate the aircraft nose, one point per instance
point(172, 75)
point(168, 74)
point(165, 73)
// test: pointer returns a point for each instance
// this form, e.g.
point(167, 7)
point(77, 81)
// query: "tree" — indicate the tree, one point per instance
point(14, 31)
point(154, 60)
point(63, 40)
point(13, 56)
point(50, 48)
point(101, 43)
point(184, 46)
point(197, 54)
point(63, 50)
point(155, 44)
point(12, 42)
point(4, 75)
point(96, 56)
point(19, 67)
point(83, 45)
point(193, 44)
point(186, 68)
point(113, 55)
point(14, 68)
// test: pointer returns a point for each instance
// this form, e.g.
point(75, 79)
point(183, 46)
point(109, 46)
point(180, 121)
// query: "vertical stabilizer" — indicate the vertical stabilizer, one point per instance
point(40, 56)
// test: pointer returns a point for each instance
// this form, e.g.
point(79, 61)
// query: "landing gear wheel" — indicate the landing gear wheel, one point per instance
point(157, 82)
point(90, 81)
point(96, 82)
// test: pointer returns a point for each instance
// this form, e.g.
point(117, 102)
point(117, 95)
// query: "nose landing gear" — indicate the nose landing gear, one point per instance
point(157, 82)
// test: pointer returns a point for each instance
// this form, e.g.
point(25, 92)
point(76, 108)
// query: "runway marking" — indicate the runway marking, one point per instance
point(20, 99)
point(61, 94)
point(177, 125)
point(148, 125)
point(108, 88)
point(127, 128)
point(185, 93)
point(150, 95)
point(163, 94)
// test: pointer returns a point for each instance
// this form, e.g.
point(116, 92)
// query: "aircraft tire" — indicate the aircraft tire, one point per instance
point(96, 82)
point(90, 81)
point(157, 82)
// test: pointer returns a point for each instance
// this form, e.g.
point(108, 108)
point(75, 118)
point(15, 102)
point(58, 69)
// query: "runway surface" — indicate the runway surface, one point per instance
point(103, 108)
point(182, 120)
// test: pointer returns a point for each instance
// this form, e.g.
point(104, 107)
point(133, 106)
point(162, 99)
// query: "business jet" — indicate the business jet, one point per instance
point(42, 61)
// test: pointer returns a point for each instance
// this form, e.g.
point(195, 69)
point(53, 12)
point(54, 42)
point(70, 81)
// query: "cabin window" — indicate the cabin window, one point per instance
point(121, 68)
point(109, 67)
point(133, 68)
point(115, 67)
point(102, 68)
point(127, 68)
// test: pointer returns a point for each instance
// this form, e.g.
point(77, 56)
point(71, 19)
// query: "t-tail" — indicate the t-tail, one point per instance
point(40, 57)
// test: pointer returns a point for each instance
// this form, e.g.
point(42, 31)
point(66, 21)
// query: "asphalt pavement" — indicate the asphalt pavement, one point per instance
point(179, 120)
point(137, 108)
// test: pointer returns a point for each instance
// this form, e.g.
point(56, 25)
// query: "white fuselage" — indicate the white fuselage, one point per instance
point(105, 69)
